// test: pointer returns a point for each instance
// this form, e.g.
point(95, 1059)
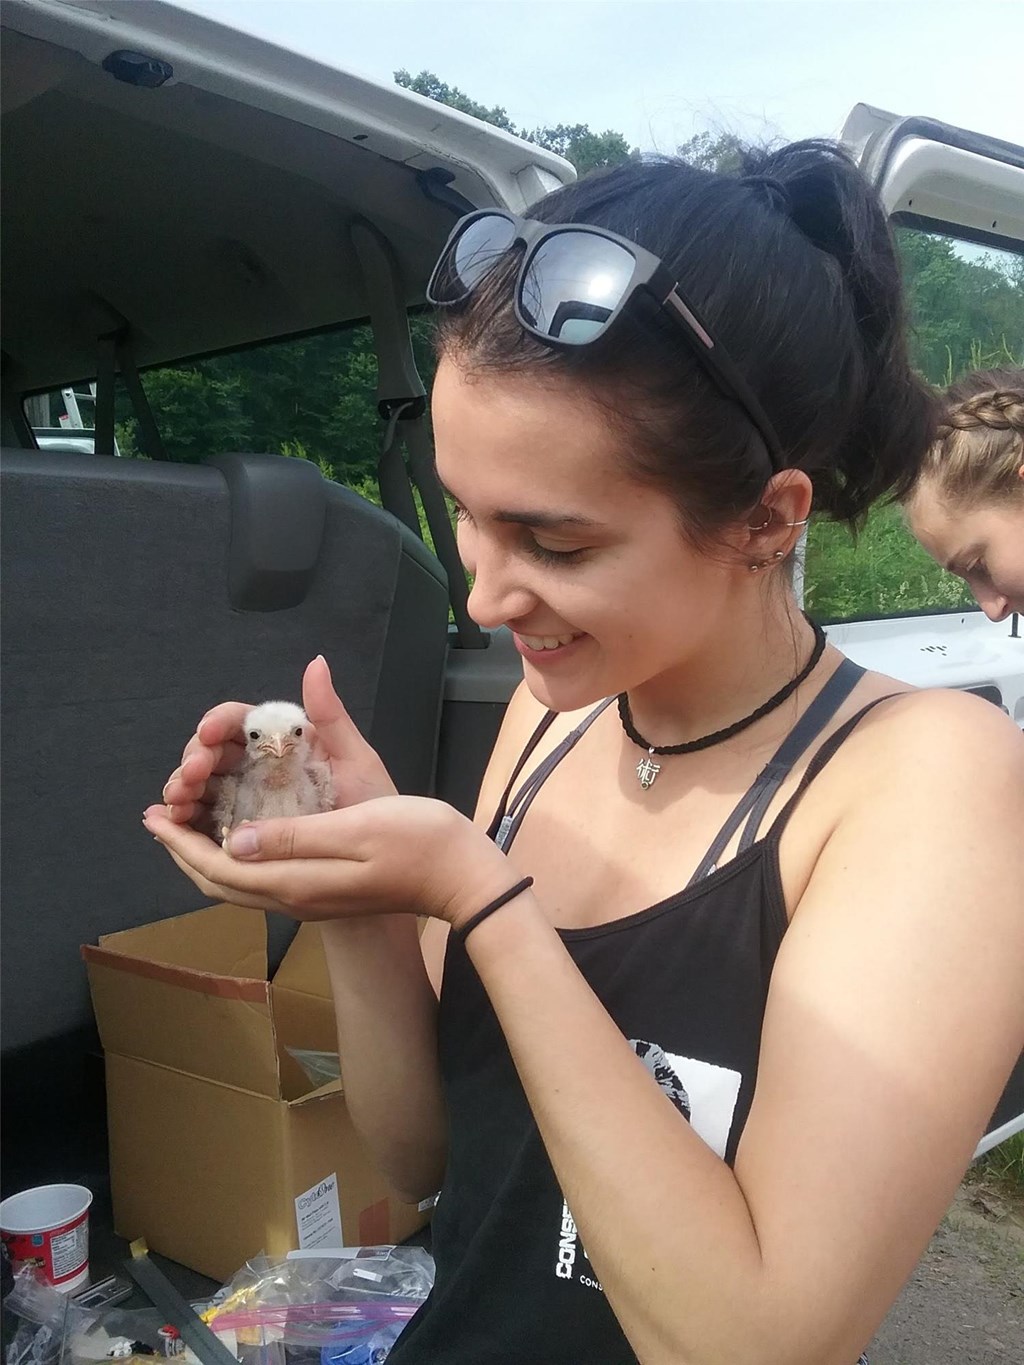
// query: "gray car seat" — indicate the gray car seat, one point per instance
point(137, 595)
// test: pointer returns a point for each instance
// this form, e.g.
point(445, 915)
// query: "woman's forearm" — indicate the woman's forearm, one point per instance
point(387, 1037)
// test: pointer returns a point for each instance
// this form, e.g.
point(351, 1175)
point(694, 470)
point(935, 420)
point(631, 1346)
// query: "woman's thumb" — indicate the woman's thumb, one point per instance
point(334, 726)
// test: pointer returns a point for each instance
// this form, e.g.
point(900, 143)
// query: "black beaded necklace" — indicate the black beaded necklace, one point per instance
point(647, 770)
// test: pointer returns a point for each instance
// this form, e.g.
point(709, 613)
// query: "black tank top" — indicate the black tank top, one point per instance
point(686, 981)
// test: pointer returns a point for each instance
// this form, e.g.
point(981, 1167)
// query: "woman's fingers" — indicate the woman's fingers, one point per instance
point(225, 893)
point(335, 729)
point(335, 834)
point(223, 724)
point(215, 748)
point(189, 779)
point(300, 887)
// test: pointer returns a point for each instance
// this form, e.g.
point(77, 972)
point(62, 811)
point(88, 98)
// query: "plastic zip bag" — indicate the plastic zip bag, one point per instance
point(349, 1307)
point(320, 1067)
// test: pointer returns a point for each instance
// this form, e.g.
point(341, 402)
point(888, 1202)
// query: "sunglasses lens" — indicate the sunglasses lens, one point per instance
point(468, 260)
point(573, 284)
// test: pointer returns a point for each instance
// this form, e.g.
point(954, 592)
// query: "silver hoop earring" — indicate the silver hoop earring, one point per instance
point(765, 524)
point(796, 523)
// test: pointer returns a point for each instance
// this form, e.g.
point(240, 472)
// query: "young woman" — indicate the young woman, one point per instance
point(702, 1091)
point(967, 507)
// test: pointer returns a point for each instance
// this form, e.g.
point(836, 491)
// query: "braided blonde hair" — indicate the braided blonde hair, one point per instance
point(979, 451)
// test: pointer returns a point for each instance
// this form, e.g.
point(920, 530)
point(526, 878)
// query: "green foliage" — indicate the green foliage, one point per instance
point(198, 413)
point(712, 151)
point(426, 83)
point(882, 573)
point(1006, 1162)
point(126, 439)
point(314, 397)
point(964, 314)
point(587, 150)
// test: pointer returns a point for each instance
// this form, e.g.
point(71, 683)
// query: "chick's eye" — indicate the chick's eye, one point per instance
point(254, 734)
point(298, 731)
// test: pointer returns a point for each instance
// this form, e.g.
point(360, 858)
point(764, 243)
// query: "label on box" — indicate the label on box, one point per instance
point(318, 1215)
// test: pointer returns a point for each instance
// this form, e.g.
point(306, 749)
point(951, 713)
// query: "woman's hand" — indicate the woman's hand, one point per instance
point(395, 855)
point(218, 745)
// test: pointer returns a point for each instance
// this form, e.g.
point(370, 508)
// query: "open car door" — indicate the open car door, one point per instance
point(947, 182)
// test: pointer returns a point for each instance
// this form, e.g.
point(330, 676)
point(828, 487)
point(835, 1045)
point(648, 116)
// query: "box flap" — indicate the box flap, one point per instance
point(173, 993)
point(303, 1007)
point(305, 965)
point(227, 940)
point(324, 1092)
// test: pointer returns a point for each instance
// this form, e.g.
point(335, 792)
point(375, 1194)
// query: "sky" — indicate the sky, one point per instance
point(659, 71)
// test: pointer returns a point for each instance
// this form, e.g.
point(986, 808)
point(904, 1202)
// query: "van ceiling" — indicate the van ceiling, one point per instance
point(202, 222)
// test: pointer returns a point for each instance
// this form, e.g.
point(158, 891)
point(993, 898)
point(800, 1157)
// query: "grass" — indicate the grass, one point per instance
point(1005, 1163)
point(880, 573)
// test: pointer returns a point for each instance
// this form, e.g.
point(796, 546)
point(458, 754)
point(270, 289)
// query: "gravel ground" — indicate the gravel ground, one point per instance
point(964, 1305)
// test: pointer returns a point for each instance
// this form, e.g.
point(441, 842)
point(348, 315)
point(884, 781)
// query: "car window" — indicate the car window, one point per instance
point(312, 397)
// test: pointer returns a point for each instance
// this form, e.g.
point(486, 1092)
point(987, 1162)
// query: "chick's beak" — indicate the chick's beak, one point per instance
point(277, 746)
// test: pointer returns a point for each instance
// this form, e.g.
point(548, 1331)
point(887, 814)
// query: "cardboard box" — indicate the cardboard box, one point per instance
point(219, 1148)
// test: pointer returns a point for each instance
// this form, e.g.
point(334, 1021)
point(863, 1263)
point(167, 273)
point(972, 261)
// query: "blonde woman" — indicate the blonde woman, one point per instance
point(967, 508)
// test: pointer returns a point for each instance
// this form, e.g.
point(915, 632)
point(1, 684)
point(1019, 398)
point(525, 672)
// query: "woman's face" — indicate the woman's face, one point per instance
point(586, 565)
point(984, 544)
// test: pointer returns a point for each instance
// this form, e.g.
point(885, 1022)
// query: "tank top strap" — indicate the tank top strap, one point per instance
point(824, 755)
point(546, 721)
point(511, 811)
point(798, 741)
point(756, 800)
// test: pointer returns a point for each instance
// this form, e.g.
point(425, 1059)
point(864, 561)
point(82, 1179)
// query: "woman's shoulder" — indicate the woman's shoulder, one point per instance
point(927, 722)
point(918, 814)
point(928, 746)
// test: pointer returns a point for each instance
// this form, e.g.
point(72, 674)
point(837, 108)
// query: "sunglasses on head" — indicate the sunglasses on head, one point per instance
point(573, 282)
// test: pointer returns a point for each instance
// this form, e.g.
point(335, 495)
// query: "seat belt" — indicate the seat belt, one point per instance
point(106, 379)
point(402, 404)
point(392, 476)
point(13, 412)
point(116, 356)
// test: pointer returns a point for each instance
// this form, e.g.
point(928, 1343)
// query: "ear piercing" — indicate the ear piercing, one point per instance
point(771, 517)
point(757, 564)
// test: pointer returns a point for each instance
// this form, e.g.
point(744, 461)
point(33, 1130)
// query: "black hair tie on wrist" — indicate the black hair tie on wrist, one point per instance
point(493, 905)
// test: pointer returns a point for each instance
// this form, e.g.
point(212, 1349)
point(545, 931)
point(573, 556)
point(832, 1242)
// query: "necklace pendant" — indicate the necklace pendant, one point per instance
point(647, 770)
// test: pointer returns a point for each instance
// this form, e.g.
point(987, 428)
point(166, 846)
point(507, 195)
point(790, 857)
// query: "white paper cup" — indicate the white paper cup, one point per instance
point(48, 1228)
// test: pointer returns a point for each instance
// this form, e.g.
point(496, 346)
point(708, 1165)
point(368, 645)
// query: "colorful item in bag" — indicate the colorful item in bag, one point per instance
point(374, 1351)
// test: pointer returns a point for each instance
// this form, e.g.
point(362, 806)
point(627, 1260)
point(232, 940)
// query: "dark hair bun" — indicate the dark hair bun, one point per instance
point(791, 264)
point(892, 423)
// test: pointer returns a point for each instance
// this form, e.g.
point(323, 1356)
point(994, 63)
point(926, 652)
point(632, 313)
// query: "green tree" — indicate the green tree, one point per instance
point(426, 83)
point(712, 151)
point(964, 314)
point(198, 413)
point(586, 150)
